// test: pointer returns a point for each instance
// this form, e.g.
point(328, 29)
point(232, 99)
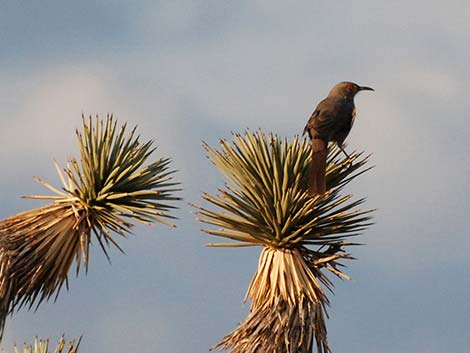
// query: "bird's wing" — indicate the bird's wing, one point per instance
point(310, 122)
point(322, 119)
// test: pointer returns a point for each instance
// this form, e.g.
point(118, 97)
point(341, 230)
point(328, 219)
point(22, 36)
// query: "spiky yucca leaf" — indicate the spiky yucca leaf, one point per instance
point(42, 346)
point(265, 202)
point(103, 192)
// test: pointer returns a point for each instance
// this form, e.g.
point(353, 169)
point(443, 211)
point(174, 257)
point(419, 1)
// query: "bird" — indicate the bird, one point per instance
point(331, 121)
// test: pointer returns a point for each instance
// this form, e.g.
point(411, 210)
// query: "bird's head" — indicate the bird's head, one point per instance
point(348, 89)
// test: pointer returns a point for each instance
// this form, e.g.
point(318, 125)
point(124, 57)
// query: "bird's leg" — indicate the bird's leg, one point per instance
point(347, 155)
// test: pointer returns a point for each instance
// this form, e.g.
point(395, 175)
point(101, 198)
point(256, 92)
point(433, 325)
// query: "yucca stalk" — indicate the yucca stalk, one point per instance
point(103, 193)
point(42, 346)
point(265, 203)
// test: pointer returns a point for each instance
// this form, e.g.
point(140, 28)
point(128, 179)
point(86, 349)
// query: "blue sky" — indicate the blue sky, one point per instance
point(187, 71)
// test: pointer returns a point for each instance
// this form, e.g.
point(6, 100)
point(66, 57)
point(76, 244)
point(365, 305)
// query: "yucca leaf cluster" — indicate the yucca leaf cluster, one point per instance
point(103, 193)
point(42, 346)
point(265, 203)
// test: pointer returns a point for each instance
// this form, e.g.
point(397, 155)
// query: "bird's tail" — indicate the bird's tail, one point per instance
point(317, 173)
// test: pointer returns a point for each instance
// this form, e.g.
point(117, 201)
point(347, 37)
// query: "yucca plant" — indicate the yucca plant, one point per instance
point(42, 346)
point(265, 203)
point(103, 193)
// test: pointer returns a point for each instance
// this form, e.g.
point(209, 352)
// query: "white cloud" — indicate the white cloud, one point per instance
point(53, 101)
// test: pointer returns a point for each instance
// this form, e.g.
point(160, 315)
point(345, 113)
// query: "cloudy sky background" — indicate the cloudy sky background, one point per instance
point(186, 71)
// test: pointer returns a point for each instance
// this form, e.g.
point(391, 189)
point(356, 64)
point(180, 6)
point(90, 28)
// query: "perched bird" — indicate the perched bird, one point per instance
point(331, 121)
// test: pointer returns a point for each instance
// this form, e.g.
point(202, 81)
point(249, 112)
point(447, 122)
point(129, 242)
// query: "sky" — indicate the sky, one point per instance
point(192, 71)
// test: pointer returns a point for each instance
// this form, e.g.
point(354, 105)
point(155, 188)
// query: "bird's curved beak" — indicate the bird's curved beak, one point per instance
point(364, 88)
